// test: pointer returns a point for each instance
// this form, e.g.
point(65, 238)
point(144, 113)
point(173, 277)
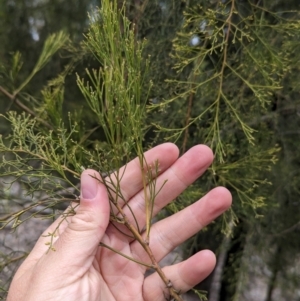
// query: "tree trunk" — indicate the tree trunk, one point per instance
point(215, 287)
point(272, 283)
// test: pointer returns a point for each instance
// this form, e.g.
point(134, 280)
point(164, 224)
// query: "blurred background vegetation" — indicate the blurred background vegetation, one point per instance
point(224, 73)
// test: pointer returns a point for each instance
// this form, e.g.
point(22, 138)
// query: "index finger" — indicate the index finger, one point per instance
point(128, 179)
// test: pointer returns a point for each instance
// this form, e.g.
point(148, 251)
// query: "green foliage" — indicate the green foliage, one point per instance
point(48, 161)
point(236, 48)
point(235, 89)
point(230, 44)
point(115, 92)
point(51, 46)
point(223, 73)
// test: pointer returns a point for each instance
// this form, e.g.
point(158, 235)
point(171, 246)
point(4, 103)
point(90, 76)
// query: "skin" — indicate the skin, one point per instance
point(81, 270)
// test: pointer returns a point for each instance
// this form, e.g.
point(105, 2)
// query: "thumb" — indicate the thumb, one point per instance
point(92, 216)
point(80, 240)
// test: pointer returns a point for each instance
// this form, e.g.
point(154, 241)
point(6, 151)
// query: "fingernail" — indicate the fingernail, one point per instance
point(89, 186)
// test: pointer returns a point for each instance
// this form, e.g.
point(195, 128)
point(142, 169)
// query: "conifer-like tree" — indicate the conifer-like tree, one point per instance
point(224, 73)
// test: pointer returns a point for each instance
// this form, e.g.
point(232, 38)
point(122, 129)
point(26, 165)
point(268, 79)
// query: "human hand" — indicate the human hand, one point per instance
point(79, 269)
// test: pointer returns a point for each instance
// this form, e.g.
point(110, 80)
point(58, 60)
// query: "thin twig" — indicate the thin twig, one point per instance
point(142, 241)
point(101, 244)
point(11, 260)
point(14, 99)
point(291, 229)
point(187, 120)
point(173, 292)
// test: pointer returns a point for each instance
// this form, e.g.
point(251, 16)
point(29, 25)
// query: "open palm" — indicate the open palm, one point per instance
point(78, 269)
